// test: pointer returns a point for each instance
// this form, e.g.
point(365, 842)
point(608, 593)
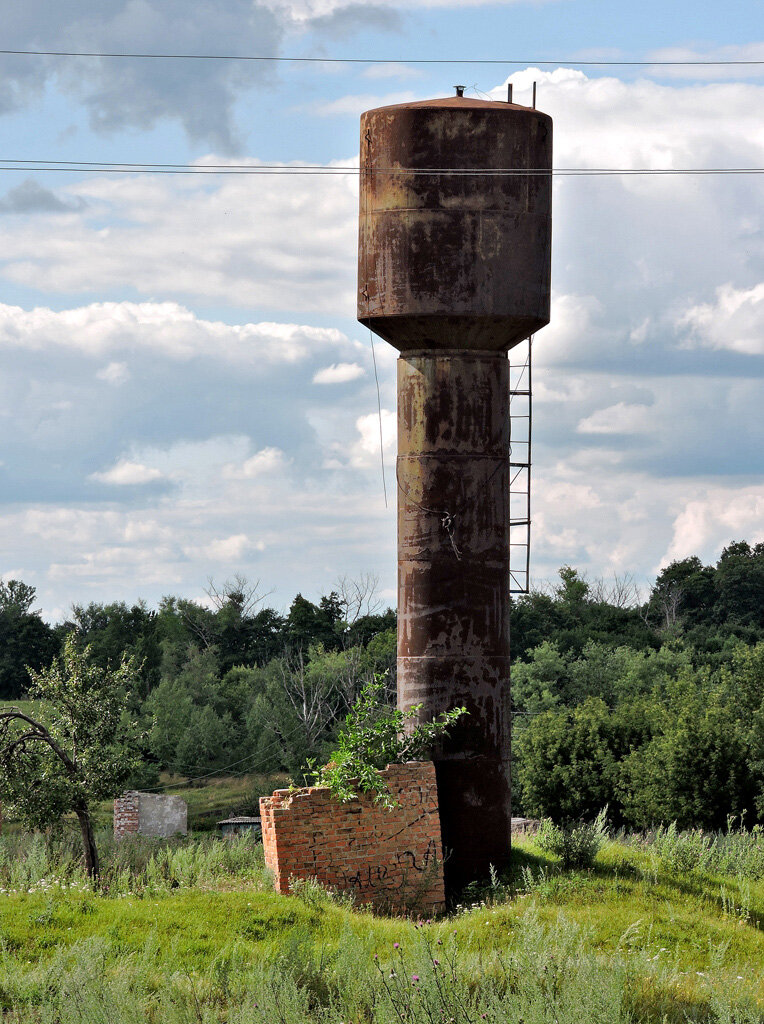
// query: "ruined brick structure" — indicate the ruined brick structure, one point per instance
point(126, 815)
point(150, 814)
point(390, 858)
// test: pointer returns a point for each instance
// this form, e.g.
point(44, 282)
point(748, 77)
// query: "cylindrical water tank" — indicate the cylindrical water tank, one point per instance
point(455, 223)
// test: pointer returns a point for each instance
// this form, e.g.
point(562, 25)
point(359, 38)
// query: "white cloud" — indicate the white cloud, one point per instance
point(752, 52)
point(161, 328)
point(114, 373)
point(274, 241)
point(608, 122)
point(305, 11)
point(124, 94)
point(715, 517)
point(644, 449)
point(392, 71)
point(735, 321)
point(338, 373)
point(366, 450)
point(621, 418)
point(126, 473)
point(230, 549)
point(289, 242)
point(268, 460)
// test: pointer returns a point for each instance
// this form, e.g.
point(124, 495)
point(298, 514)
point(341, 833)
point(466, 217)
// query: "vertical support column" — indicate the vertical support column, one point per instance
point(453, 589)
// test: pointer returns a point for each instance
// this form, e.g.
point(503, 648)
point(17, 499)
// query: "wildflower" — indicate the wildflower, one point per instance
point(436, 963)
point(396, 945)
point(415, 977)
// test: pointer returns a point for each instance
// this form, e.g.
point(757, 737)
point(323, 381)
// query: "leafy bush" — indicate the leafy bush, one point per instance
point(373, 737)
point(576, 844)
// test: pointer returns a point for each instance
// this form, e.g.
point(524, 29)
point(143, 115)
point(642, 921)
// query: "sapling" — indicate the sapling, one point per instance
point(375, 735)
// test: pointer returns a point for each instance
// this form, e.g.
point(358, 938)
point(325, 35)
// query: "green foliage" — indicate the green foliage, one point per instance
point(576, 843)
point(695, 769)
point(115, 631)
point(656, 709)
point(567, 762)
point(577, 614)
point(375, 735)
point(82, 752)
point(661, 740)
point(711, 605)
point(25, 640)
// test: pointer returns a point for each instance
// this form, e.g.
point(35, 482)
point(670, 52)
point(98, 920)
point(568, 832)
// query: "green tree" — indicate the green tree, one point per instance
point(25, 640)
point(739, 583)
point(696, 769)
point(78, 749)
point(539, 683)
point(114, 631)
point(566, 762)
point(309, 625)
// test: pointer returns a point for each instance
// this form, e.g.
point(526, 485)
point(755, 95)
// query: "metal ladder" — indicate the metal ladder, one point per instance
point(520, 426)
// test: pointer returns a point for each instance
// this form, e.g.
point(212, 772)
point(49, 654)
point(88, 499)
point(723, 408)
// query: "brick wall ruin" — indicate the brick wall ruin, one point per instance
point(150, 814)
point(391, 858)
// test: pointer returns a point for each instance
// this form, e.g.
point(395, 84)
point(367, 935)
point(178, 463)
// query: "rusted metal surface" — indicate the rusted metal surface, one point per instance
point(454, 260)
point(453, 596)
point(453, 271)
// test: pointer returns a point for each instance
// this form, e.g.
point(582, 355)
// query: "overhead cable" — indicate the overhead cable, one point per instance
point(384, 60)
point(94, 167)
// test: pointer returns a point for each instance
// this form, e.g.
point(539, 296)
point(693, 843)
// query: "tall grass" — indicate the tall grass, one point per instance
point(133, 866)
point(541, 974)
point(738, 851)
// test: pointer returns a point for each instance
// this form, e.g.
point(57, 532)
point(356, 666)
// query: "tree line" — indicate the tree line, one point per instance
point(653, 706)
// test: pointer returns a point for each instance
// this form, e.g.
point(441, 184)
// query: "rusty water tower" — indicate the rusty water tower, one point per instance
point(453, 271)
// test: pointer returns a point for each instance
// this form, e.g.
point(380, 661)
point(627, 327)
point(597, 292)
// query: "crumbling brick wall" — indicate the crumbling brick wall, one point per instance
point(126, 815)
point(391, 858)
point(150, 814)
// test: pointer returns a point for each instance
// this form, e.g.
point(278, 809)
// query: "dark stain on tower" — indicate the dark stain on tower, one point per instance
point(453, 271)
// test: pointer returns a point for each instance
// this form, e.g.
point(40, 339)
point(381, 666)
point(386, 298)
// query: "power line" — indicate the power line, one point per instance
point(383, 60)
point(97, 167)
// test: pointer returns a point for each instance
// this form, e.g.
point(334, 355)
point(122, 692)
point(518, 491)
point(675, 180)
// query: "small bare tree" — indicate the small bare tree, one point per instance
point(236, 593)
point(620, 591)
point(314, 698)
point(358, 596)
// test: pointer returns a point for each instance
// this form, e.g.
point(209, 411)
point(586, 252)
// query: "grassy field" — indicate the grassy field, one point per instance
point(191, 931)
point(29, 707)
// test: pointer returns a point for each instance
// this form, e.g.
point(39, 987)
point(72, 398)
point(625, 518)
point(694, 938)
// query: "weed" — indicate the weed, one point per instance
point(577, 845)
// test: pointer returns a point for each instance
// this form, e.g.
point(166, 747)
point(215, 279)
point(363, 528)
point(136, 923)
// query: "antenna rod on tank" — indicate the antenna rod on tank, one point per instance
point(509, 92)
point(534, 95)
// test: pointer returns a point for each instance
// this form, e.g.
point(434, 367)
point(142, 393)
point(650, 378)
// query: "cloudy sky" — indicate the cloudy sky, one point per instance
point(184, 390)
